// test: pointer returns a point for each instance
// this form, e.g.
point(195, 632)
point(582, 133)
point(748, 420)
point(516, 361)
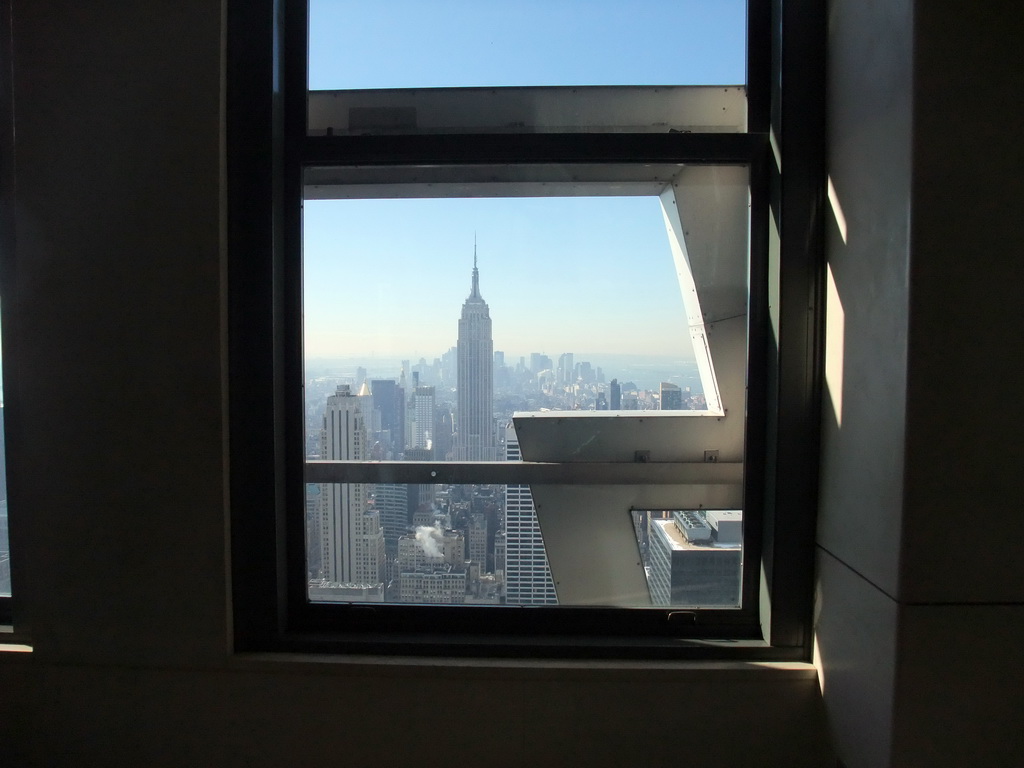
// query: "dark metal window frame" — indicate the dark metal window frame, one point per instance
point(8, 277)
point(267, 151)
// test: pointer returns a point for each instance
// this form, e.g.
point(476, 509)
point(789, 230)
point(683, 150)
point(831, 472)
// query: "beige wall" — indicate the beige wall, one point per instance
point(118, 474)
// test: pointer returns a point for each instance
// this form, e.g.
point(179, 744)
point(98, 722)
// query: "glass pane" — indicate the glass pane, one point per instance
point(693, 558)
point(458, 43)
point(432, 318)
point(567, 304)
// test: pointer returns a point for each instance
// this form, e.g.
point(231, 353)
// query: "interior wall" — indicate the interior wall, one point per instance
point(860, 532)
point(919, 609)
point(962, 593)
point(118, 467)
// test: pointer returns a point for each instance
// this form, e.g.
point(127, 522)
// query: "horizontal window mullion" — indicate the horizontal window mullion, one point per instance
point(532, 148)
point(516, 473)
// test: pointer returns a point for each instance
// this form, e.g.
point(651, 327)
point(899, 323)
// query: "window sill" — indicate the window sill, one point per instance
point(313, 663)
point(9, 641)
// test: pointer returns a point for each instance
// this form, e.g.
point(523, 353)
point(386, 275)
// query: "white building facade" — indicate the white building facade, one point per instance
point(527, 574)
point(351, 540)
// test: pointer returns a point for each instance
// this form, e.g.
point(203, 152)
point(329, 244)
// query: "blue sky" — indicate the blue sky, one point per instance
point(388, 277)
point(447, 43)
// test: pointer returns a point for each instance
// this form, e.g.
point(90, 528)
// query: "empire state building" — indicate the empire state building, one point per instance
point(475, 439)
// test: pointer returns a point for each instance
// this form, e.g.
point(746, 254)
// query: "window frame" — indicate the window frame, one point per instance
point(14, 604)
point(267, 148)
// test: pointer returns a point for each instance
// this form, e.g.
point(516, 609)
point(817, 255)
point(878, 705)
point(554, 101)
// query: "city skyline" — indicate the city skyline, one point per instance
point(439, 543)
point(591, 274)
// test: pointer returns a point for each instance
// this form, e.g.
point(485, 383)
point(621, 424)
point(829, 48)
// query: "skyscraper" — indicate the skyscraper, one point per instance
point(527, 574)
point(566, 370)
point(616, 395)
point(476, 539)
point(391, 501)
point(695, 558)
point(671, 397)
point(388, 400)
point(419, 418)
point(351, 539)
point(474, 421)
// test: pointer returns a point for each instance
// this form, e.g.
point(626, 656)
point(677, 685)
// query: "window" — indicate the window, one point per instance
point(310, 572)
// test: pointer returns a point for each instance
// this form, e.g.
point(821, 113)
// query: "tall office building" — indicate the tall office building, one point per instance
point(527, 574)
point(566, 371)
point(371, 417)
point(585, 372)
point(368, 549)
point(391, 500)
point(695, 558)
point(474, 421)
point(419, 418)
point(388, 399)
point(615, 391)
point(443, 432)
point(476, 540)
point(351, 539)
point(539, 363)
point(671, 397)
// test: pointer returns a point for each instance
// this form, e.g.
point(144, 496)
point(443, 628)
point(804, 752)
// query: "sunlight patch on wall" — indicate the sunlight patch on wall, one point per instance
point(835, 331)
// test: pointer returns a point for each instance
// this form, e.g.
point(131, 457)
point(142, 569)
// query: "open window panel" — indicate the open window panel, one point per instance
point(508, 366)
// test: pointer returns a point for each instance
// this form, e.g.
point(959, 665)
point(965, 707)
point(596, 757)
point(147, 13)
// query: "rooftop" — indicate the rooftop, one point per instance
point(678, 541)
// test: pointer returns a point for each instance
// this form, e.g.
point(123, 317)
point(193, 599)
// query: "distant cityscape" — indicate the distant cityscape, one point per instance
point(477, 544)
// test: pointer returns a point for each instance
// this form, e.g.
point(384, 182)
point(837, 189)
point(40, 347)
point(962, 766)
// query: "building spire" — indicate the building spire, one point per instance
point(475, 294)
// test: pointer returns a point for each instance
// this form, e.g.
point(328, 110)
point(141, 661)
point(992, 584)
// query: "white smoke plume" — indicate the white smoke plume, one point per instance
point(430, 538)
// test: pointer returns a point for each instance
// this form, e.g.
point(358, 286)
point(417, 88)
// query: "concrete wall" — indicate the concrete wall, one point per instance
point(917, 628)
point(118, 472)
